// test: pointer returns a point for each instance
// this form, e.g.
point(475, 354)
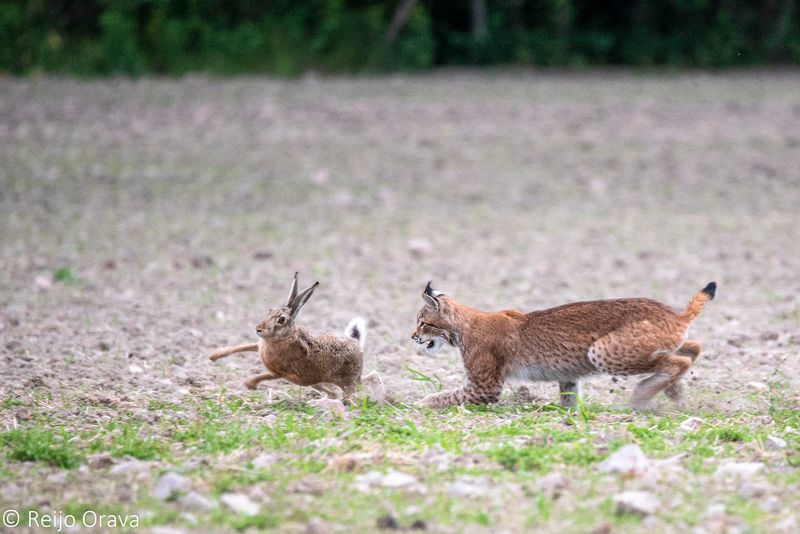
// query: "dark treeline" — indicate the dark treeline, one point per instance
point(88, 37)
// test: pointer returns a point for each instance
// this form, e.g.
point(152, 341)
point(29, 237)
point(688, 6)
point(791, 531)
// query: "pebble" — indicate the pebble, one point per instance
point(553, 484)
point(635, 502)
point(131, 466)
point(240, 503)
point(468, 487)
point(690, 424)
point(758, 386)
point(332, 406)
point(774, 442)
point(168, 485)
point(772, 505)
point(629, 461)
point(396, 479)
point(317, 526)
point(196, 501)
point(264, 460)
point(744, 469)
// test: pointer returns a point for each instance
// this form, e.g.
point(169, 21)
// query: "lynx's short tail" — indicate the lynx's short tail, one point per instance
point(357, 329)
point(698, 301)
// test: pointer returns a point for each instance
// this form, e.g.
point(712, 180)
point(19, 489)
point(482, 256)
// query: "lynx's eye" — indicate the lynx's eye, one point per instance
point(421, 324)
point(281, 320)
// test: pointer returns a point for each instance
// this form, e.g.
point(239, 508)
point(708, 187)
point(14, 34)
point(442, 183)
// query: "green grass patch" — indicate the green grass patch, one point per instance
point(39, 445)
point(63, 275)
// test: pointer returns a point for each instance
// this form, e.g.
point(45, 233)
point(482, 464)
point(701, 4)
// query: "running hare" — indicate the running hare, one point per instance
point(290, 352)
point(618, 337)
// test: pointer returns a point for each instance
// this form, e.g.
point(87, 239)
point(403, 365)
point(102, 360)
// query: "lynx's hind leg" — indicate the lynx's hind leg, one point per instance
point(569, 393)
point(670, 369)
point(690, 348)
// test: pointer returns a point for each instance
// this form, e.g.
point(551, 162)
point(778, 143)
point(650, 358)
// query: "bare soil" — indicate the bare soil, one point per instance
point(145, 223)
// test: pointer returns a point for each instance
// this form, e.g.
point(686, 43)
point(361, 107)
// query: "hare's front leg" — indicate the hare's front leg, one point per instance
point(332, 391)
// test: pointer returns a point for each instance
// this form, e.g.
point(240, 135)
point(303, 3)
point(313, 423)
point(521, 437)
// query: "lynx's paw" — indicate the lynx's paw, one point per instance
point(434, 400)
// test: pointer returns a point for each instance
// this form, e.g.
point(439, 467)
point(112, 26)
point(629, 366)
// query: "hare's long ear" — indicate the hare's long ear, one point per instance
point(431, 297)
point(292, 291)
point(301, 299)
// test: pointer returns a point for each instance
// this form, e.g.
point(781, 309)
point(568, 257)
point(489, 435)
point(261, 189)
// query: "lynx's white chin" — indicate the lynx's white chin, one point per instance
point(430, 346)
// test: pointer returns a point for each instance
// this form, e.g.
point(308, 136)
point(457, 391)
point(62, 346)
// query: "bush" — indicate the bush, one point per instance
point(287, 37)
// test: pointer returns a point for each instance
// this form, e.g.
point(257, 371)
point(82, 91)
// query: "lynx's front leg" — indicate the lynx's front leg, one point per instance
point(468, 394)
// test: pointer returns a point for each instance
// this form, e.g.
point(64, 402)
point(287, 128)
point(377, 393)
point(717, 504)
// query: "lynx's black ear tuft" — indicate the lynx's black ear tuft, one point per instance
point(710, 290)
point(429, 289)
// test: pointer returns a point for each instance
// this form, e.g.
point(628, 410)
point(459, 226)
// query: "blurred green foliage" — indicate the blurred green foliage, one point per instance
point(288, 37)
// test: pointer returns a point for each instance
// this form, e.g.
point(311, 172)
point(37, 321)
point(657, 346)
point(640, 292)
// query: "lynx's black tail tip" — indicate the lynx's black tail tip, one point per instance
point(710, 290)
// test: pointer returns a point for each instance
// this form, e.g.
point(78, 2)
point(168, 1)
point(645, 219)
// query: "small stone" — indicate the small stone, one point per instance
point(772, 505)
point(419, 524)
point(743, 469)
point(167, 530)
point(769, 336)
point(132, 466)
point(635, 502)
point(396, 479)
point(240, 503)
point(264, 460)
point(748, 490)
point(774, 442)
point(196, 501)
point(135, 369)
point(100, 460)
point(43, 282)
point(716, 509)
point(373, 384)
point(468, 487)
point(387, 522)
point(553, 484)
point(602, 528)
point(758, 386)
point(59, 477)
point(419, 247)
point(690, 424)
point(168, 485)
point(333, 407)
point(786, 525)
point(317, 526)
point(371, 478)
point(629, 461)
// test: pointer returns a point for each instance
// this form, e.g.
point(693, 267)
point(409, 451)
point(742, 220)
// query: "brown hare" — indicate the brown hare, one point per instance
point(619, 337)
point(289, 351)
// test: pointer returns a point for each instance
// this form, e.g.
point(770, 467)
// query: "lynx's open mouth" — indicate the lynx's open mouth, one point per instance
point(429, 346)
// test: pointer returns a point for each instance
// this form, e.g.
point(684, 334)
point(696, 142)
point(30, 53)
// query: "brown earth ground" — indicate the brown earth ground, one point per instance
point(147, 222)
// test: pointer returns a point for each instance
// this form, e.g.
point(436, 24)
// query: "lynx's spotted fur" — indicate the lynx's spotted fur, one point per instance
point(617, 337)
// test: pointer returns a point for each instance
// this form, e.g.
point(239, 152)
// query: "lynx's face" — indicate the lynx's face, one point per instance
point(435, 326)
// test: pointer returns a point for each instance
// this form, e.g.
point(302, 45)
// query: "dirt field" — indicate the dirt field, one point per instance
point(145, 223)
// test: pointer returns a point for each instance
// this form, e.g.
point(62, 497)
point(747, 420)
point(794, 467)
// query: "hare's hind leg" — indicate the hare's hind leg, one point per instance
point(227, 351)
point(252, 381)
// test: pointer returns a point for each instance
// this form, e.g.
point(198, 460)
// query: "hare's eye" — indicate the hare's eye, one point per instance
point(281, 320)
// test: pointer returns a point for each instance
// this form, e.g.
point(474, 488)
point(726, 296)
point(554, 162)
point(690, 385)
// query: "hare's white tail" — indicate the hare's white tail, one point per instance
point(357, 329)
